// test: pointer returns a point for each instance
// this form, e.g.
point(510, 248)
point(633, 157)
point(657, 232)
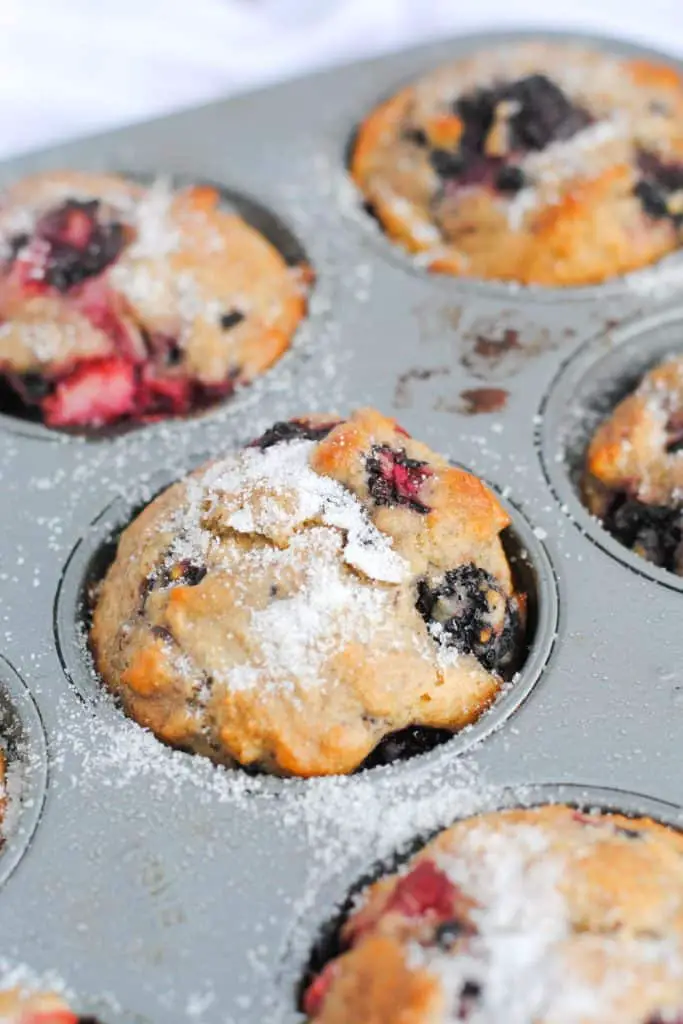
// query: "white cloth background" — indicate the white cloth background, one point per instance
point(69, 67)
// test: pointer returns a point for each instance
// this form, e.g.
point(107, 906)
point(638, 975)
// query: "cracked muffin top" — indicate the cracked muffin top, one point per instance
point(633, 478)
point(539, 162)
point(293, 603)
point(120, 302)
point(526, 916)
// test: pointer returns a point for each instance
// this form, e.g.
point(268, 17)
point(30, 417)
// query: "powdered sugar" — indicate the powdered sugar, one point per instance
point(275, 492)
point(299, 634)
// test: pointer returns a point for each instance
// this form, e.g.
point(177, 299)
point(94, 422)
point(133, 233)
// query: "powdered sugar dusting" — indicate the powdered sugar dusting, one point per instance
point(275, 492)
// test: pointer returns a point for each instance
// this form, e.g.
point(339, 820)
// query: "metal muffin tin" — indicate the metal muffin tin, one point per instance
point(161, 888)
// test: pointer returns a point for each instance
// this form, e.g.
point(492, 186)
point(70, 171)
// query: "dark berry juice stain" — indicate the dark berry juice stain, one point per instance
point(416, 374)
point(483, 400)
point(396, 479)
point(291, 430)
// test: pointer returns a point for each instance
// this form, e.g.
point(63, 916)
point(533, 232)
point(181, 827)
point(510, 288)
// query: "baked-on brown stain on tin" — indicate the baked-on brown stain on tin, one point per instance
point(403, 391)
point(483, 400)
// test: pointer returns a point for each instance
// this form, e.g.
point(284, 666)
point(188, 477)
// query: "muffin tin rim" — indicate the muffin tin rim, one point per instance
point(34, 769)
point(332, 891)
point(552, 451)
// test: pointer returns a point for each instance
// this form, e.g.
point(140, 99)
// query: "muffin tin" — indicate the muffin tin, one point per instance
point(162, 888)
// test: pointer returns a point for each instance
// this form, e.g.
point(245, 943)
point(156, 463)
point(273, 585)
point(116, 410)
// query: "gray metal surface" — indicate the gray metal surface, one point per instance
point(163, 889)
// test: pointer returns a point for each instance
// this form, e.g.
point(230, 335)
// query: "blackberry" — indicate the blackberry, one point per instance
point(289, 430)
point(476, 111)
point(396, 479)
point(80, 247)
point(546, 115)
point(654, 532)
point(472, 614)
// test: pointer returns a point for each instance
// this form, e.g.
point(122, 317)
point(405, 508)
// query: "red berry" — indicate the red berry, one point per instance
point(96, 392)
point(315, 994)
point(426, 889)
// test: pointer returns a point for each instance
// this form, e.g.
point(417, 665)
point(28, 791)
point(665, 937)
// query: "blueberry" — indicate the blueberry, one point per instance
point(473, 615)
point(289, 430)
point(232, 319)
point(445, 163)
point(395, 479)
point(546, 115)
point(510, 179)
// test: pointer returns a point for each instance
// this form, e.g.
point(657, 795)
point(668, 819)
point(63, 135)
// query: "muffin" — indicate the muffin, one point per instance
point(527, 916)
point(293, 603)
point(539, 162)
point(18, 1006)
point(633, 479)
point(120, 302)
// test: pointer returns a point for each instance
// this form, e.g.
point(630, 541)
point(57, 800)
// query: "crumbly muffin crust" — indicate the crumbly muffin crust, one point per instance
point(540, 162)
point(633, 479)
point(293, 603)
point(529, 916)
point(122, 302)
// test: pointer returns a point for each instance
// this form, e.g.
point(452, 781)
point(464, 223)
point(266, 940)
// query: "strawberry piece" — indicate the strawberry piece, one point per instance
point(61, 1016)
point(396, 479)
point(96, 392)
point(316, 993)
point(167, 395)
point(425, 890)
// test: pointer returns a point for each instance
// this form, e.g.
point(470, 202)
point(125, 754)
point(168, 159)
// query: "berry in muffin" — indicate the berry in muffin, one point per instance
point(529, 916)
point(633, 479)
point(18, 1006)
point(121, 303)
point(540, 163)
point(292, 604)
